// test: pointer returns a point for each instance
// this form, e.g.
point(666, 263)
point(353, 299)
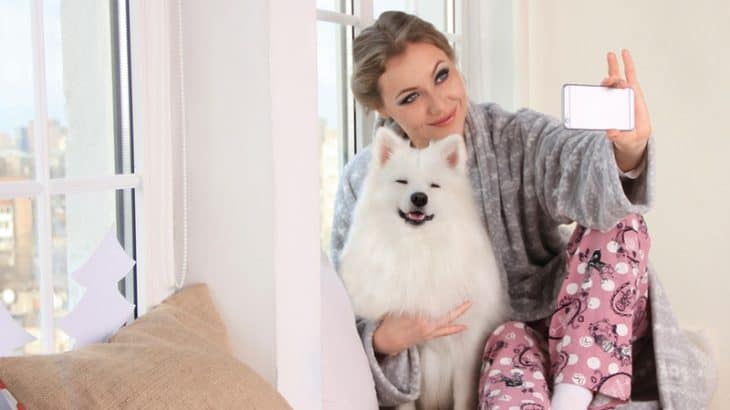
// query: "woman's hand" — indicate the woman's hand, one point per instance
point(399, 332)
point(628, 146)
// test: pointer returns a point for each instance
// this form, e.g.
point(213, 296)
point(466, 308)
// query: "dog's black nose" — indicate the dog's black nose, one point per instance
point(419, 199)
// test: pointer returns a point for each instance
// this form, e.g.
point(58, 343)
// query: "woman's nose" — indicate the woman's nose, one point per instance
point(437, 106)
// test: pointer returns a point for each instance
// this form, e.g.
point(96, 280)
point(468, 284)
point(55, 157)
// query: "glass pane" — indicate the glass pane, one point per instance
point(380, 6)
point(458, 50)
point(331, 87)
point(458, 28)
point(79, 223)
point(19, 276)
point(81, 40)
point(458, 14)
point(16, 91)
point(433, 11)
point(332, 5)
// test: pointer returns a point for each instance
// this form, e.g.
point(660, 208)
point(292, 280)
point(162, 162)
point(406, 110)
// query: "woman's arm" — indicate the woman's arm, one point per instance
point(576, 176)
point(576, 170)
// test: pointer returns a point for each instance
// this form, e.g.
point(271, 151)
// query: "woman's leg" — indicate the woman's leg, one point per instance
point(602, 308)
point(513, 371)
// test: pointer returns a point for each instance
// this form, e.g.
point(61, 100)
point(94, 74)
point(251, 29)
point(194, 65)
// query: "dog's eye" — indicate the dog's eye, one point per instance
point(435, 186)
point(401, 181)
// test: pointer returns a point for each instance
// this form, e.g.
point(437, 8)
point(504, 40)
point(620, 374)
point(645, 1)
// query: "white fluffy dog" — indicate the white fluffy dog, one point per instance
point(417, 245)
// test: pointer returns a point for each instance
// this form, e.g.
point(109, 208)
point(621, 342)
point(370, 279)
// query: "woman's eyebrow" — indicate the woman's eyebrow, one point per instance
point(413, 88)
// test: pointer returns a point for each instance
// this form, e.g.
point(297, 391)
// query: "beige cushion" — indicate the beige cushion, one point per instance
point(176, 356)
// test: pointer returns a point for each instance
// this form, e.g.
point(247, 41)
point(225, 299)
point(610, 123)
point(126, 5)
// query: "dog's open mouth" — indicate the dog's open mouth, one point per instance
point(415, 217)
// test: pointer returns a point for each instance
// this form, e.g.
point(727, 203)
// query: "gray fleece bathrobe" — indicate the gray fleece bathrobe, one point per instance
point(530, 175)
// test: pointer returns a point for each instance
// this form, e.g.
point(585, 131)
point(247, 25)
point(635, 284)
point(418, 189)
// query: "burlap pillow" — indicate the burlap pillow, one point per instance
point(175, 357)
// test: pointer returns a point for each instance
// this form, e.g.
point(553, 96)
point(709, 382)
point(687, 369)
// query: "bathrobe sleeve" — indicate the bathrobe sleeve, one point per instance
point(576, 177)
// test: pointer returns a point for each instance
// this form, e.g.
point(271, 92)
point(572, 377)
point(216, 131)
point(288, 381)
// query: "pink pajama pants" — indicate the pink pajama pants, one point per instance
point(601, 309)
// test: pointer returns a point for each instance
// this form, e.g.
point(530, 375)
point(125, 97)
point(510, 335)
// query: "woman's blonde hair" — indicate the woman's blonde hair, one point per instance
point(386, 38)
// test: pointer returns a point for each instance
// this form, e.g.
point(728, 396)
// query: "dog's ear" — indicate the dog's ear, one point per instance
point(453, 151)
point(386, 143)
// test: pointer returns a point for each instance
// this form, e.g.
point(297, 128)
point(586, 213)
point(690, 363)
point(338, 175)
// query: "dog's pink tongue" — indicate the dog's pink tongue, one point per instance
point(417, 216)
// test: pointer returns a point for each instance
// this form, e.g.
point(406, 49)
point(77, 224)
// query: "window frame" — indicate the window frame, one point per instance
point(148, 43)
point(42, 187)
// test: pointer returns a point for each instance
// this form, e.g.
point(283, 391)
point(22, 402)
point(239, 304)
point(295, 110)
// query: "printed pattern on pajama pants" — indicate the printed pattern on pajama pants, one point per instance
point(601, 309)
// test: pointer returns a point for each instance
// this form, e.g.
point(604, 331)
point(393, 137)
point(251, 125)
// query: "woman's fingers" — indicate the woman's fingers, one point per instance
point(629, 68)
point(612, 65)
point(614, 78)
point(616, 82)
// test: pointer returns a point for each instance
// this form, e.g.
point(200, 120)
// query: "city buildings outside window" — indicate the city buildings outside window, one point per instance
point(65, 147)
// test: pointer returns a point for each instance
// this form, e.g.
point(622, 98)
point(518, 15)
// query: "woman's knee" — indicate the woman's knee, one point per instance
point(632, 238)
point(635, 222)
point(510, 325)
point(503, 333)
point(628, 237)
point(513, 333)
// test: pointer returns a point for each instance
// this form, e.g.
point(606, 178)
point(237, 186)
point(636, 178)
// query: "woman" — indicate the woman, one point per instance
point(581, 331)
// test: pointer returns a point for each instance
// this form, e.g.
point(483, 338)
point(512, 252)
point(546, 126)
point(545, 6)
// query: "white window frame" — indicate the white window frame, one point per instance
point(151, 180)
point(362, 16)
point(43, 187)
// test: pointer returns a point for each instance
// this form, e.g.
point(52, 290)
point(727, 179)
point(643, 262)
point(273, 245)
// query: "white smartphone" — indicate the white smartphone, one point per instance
point(593, 107)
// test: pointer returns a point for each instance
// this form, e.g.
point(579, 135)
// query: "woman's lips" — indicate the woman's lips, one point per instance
point(444, 121)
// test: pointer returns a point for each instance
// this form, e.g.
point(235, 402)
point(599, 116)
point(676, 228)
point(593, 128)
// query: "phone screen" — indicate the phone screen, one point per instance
point(594, 107)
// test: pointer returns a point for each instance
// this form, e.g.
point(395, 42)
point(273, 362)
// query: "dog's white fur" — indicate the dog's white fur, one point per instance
point(391, 266)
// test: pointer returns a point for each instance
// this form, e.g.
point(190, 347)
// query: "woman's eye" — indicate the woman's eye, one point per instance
point(409, 99)
point(442, 75)
point(401, 181)
point(435, 186)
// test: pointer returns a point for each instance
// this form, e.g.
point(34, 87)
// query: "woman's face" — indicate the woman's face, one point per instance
point(423, 92)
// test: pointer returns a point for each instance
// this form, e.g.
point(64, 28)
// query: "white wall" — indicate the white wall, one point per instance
point(230, 188)
point(253, 181)
point(682, 60)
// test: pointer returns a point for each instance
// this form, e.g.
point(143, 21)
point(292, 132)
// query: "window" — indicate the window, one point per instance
point(344, 126)
point(66, 163)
